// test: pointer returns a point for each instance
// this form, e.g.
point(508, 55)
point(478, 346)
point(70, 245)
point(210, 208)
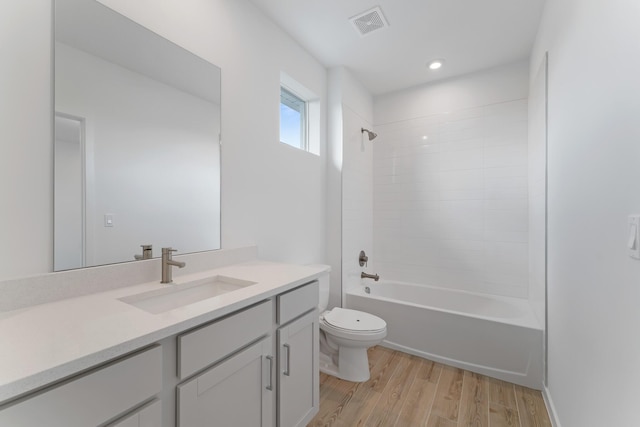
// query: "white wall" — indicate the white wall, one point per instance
point(357, 186)
point(594, 152)
point(537, 189)
point(154, 159)
point(272, 194)
point(26, 150)
point(357, 198)
point(350, 181)
point(487, 87)
point(333, 207)
point(450, 183)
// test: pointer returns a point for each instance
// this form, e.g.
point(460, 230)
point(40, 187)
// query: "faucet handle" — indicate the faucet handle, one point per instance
point(147, 253)
point(363, 259)
point(168, 250)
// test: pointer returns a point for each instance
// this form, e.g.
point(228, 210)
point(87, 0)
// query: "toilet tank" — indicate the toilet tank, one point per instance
point(323, 302)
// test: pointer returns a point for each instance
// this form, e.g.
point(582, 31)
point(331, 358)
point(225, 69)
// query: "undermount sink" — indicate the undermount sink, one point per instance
point(179, 295)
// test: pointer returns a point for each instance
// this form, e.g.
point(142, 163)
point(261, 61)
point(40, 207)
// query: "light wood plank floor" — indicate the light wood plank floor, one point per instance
point(407, 391)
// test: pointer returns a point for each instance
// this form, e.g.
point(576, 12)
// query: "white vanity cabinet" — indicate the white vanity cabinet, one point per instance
point(208, 344)
point(238, 392)
point(93, 398)
point(298, 370)
point(254, 367)
point(239, 389)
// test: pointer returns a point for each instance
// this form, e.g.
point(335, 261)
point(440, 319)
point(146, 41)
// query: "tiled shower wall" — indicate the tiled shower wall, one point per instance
point(357, 198)
point(451, 199)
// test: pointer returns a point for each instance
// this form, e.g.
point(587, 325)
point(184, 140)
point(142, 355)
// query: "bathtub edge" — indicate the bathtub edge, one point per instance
point(523, 379)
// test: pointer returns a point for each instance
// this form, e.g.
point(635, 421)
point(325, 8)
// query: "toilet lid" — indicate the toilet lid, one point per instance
point(354, 320)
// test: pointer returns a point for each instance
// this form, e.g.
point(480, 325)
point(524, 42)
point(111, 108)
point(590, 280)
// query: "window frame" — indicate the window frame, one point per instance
point(297, 103)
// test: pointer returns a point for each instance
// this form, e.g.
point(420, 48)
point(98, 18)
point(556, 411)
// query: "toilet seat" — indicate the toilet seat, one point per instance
point(353, 325)
point(353, 320)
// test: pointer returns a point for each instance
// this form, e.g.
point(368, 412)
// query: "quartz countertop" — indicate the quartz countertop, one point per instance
point(49, 342)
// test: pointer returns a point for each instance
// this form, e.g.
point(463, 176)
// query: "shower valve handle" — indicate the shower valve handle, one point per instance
point(362, 260)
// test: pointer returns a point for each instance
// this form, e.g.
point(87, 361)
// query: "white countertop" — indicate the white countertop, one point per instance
point(49, 342)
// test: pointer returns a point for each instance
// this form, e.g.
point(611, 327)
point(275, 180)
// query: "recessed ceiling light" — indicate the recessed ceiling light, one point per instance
point(436, 64)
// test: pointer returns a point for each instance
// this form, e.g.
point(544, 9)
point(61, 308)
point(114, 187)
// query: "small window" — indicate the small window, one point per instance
point(293, 120)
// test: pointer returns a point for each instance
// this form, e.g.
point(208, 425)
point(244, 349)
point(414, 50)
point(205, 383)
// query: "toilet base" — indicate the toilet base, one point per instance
point(327, 366)
point(353, 364)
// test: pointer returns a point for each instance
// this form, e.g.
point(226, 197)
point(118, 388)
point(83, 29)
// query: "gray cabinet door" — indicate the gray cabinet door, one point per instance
point(238, 392)
point(298, 386)
point(148, 416)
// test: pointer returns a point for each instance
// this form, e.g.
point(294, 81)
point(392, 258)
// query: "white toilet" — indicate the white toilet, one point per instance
point(345, 336)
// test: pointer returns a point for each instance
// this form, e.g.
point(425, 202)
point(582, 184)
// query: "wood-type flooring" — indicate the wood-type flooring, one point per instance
point(407, 391)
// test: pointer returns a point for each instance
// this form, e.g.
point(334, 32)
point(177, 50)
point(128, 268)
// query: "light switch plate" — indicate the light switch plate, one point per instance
point(633, 238)
point(108, 220)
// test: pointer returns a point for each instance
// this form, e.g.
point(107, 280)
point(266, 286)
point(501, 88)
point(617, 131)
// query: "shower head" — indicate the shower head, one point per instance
point(372, 135)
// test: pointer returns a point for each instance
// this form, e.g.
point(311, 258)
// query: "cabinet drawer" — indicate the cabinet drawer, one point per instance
point(297, 301)
point(208, 344)
point(94, 398)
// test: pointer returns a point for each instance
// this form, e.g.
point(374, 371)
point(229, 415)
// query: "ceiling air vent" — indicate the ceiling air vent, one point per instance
point(369, 21)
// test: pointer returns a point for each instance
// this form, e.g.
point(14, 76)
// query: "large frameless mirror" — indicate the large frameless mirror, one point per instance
point(137, 131)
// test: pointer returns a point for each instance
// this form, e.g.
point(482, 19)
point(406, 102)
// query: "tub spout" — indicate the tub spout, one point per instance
point(364, 275)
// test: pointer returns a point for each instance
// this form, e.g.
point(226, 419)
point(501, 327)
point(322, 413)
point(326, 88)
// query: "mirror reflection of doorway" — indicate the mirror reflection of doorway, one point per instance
point(69, 192)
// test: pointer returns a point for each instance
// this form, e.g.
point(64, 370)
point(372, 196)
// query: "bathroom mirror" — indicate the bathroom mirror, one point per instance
point(137, 141)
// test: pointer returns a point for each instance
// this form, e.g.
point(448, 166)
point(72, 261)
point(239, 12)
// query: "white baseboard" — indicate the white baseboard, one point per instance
point(550, 408)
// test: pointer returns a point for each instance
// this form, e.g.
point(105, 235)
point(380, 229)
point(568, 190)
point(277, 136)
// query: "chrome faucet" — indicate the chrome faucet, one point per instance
point(364, 275)
point(167, 262)
point(147, 252)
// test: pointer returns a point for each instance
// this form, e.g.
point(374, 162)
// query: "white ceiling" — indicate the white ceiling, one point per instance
point(470, 35)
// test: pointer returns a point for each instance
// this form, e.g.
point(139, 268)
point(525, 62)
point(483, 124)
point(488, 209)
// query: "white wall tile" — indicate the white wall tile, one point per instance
point(506, 204)
point(453, 212)
point(506, 182)
point(470, 179)
point(505, 155)
point(462, 159)
point(462, 195)
point(358, 198)
point(462, 144)
point(505, 193)
point(506, 236)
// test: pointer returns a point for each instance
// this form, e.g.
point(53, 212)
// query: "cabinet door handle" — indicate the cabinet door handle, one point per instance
point(287, 371)
point(270, 386)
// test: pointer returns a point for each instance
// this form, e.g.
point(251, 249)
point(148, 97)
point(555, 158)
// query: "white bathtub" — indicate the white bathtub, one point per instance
point(495, 336)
